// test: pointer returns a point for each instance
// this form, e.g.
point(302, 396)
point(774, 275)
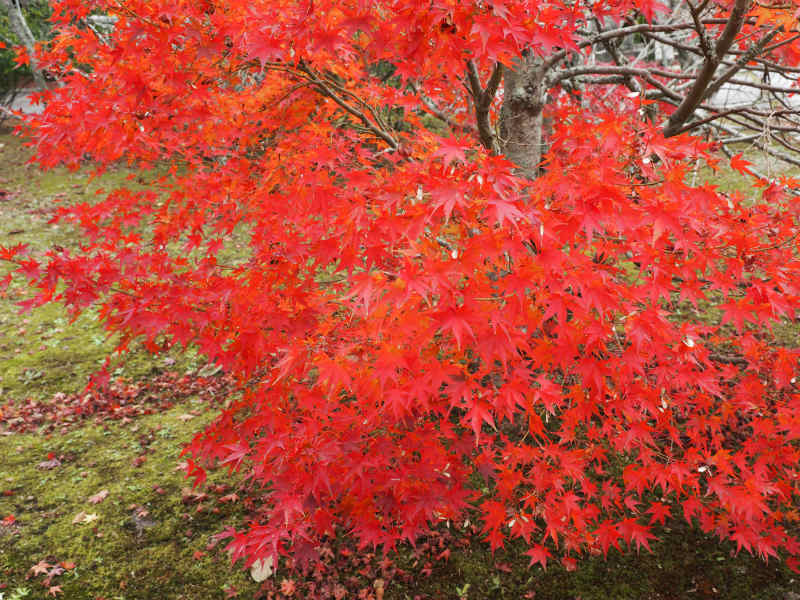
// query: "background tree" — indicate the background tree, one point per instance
point(422, 329)
point(745, 49)
point(17, 32)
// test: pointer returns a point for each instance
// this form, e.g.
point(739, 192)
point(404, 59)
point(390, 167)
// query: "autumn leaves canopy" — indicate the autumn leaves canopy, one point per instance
point(422, 335)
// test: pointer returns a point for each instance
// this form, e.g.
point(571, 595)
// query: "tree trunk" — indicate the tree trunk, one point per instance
point(19, 26)
point(521, 118)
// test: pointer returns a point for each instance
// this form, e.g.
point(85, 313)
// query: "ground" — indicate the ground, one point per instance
point(93, 502)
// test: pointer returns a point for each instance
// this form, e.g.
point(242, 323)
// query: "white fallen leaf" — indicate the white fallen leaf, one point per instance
point(261, 569)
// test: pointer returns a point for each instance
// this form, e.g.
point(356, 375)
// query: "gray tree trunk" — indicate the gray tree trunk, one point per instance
point(20, 28)
point(521, 115)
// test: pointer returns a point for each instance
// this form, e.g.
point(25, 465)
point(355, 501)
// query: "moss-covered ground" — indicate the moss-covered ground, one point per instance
point(100, 510)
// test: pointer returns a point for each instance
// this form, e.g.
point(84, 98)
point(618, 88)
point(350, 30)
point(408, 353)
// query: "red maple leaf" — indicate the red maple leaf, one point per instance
point(738, 163)
point(608, 536)
point(452, 149)
point(659, 512)
point(539, 554)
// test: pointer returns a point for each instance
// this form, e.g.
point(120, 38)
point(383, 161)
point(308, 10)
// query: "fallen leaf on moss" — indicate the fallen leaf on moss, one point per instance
point(55, 572)
point(98, 497)
point(288, 587)
point(49, 464)
point(339, 591)
point(230, 591)
point(379, 585)
point(261, 569)
point(120, 400)
point(39, 568)
point(83, 517)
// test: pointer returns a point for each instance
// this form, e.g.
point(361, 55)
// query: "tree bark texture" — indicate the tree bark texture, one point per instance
point(521, 115)
point(19, 26)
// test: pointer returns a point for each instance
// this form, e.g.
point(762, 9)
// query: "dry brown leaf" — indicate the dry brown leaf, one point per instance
point(83, 517)
point(98, 497)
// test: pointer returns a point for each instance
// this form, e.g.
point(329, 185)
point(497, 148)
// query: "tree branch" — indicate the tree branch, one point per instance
point(438, 112)
point(698, 90)
point(740, 62)
point(326, 88)
point(483, 98)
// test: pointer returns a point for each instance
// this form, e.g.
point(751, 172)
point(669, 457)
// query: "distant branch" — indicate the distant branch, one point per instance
point(698, 90)
point(751, 53)
point(437, 111)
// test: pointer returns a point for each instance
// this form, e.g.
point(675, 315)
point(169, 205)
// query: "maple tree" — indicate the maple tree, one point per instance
point(453, 255)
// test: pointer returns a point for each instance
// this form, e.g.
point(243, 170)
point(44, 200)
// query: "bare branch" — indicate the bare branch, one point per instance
point(698, 90)
point(646, 74)
point(705, 43)
point(753, 51)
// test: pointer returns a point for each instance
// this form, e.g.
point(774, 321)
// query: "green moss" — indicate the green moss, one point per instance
point(118, 554)
point(44, 352)
point(684, 564)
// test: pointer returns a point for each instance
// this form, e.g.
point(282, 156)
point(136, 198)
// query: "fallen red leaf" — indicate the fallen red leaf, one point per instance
point(288, 587)
point(98, 497)
point(40, 568)
point(49, 464)
point(120, 400)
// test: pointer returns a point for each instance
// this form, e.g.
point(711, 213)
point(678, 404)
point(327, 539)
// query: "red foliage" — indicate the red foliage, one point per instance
point(598, 345)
